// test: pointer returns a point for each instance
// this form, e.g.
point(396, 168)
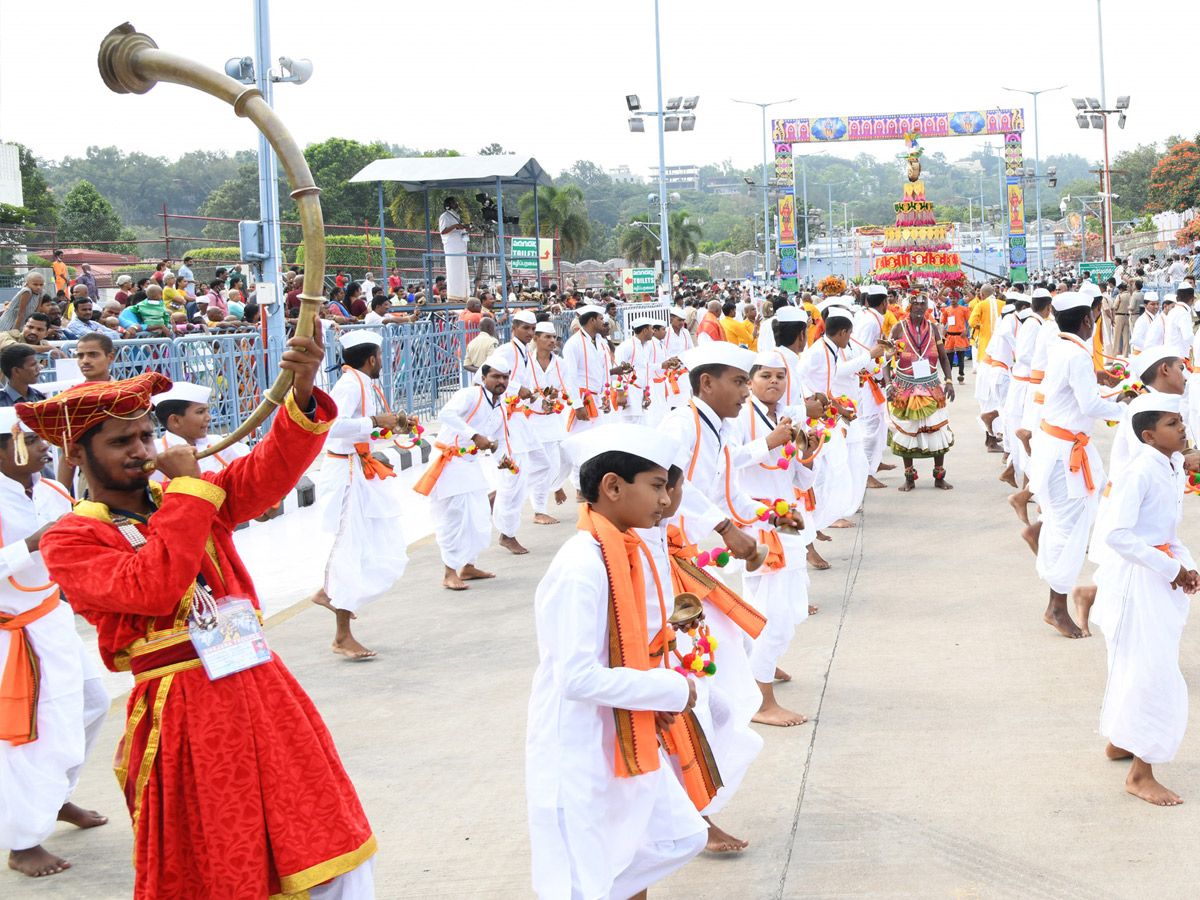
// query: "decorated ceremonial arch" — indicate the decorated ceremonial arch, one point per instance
point(917, 245)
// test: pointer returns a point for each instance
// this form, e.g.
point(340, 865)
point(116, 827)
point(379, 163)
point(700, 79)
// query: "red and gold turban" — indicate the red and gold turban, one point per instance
point(66, 416)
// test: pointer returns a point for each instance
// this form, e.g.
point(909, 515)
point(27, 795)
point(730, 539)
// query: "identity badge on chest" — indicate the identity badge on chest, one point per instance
point(227, 635)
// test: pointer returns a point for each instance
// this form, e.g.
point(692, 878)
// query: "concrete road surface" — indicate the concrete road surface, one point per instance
point(952, 749)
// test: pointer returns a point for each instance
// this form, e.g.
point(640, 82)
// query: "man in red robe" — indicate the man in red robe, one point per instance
point(234, 786)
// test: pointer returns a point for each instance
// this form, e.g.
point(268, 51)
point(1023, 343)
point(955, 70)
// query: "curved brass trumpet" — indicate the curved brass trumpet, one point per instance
point(131, 63)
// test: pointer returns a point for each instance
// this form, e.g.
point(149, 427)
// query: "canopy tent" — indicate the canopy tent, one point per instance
point(426, 173)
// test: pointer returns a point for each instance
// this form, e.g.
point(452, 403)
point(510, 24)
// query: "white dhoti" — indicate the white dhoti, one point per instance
point(782, 597)
point(832, 486)
point(875, 432)
point(511, 490)
point(357, 884)
point(458, 278)
point(1145, 707)
point(37, 778)
point(462, 526)
point(1014, 412)
point(857, 471)
point(369, 552)
point(551, 478)
point(1066, 523)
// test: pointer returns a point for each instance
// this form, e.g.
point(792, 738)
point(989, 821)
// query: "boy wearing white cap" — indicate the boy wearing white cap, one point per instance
point(1140, 338)
point(1141, 603)
point(590, 367)
point(868, 328)
point(359, 497)
point(1065, 471)
point(549, 422)
point(471, 422)
point(641, 354)
point(56, 703)
point(607, 817)
point(1018, 398)
point(184, 414)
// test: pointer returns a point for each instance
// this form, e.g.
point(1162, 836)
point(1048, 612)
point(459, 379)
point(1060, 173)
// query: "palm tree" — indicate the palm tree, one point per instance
point(561, 210)
point(684, 237)
point(638, 244)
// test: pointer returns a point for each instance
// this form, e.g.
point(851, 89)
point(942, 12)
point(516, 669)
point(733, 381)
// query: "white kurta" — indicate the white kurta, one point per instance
point(37, 778)
point(1073, 403)
point(1146, 332)
point(458, 502)
point(595, 836)
point(1142, 617)
point(868, 327)
point(364, 514)
point(1018, 389)
point(646, 360)
point(834, 488)
point(550, 429)
point(674, 344)
point(524, 446)
point(454, 245)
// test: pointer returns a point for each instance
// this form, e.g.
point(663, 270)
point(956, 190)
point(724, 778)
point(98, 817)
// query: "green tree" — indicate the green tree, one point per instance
point(639, 243)
point(408, 208)
point(38, 200)
point(333, 163)
point(683, 234)
point(493, 149)
point(1131, 176)
point(559, 210)
point(238, 199)
point(1175, 179)
point(89, 221)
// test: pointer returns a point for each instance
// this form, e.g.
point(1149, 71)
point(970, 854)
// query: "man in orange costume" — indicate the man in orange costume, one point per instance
point(234, 786)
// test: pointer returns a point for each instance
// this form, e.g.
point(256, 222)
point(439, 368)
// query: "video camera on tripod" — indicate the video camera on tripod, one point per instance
point(491, 212)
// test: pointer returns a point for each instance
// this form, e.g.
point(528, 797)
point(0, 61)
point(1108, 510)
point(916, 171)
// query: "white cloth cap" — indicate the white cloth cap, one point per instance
point(1040, 292)
point(791, 314)
point(589, 308)
point(1150, 296)
point(544, 328)
point(877, 290)
point(1070, 300)
point(1089, 289)
point(8, 418)
point(771, 359)
point(1024, 314)
point(832, 301)
point(527, 316)
point(1168, 297)
point(1012, 295)
point(718, 353)
point(186, 391)
point(678, 313)
point(1007, 308)
point(1151, 357)
point(358, 337)
point(1155, 401)
point(1184, 286)
point(498, 361)
point(648, 443)
point(637, 321)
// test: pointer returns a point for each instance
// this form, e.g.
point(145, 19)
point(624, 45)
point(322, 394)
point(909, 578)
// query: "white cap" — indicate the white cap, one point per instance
point(589, 308)
point(1153, 401)
point(1012, 295)
point(1007, 308)
point(1041, 292)
point(1070, 300)
point(544, 328)
point(186, 391)
point(1150, 297)
point(791, 314)
point(8, 418)
point(1168, 297)
point(831, 302)
point(359, 336)
point(1090, 289)
point(718, 353)
point(771, 359)
point(498, 361)
point(1184, 286)
point(877, 290)
point(527, 316)
point(1024, 314)
point(1151, 357)
point(678, 313)
point(648, 443)
point(637, 321)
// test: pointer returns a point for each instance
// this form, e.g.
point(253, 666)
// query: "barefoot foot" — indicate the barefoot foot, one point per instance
point(720, 841)
point(470, 573)
point(1112, 751)
point(560, 497)
point(512, 545)
point(1061, 619)
point(908, 485)
point(1030, 534)
point(1083, 598)
point(352, 649)
point(822, 536)
point(1146, 787)
point(1020, 504)
point(454, 583)
point(322, 599)
point(884, 467)
point(543, 519)
point(36, 862)
point(1009, 475)
point(844, 523)
point(813, 610)
point(777, 715)
point(80, 817)
point(873, 482)
point(781, 675)
point(942, 484)
point(815, 559)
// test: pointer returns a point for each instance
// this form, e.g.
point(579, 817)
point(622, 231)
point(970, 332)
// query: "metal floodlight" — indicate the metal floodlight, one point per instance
point(1097, 121)
point(241, 68)
point(298, 70)
point(1121, 121)
point(689, 123)
point(1029, 173)
point(1053, 182)
point(1093, 102)
point(690, 102)
point(747, 179)
point(1081, 120)
point(1079, 102)
point(674, 102)
point(632, 101)
point(674, 197)
point(1052, 170)
point(671, 123)
point(652, 198)
point(636, 124)
point(1123, 102)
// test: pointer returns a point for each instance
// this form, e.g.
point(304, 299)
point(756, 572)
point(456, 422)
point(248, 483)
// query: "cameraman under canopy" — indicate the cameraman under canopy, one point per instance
point(454, 245)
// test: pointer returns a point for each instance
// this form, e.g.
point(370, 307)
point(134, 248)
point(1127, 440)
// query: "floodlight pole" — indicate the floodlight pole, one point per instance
point(268, 196)
point(663, 240)
point(1107, 175)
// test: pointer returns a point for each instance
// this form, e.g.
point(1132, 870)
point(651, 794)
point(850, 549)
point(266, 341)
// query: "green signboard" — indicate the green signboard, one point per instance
point(525, 254)
point(637, 281)
point(1101, 271)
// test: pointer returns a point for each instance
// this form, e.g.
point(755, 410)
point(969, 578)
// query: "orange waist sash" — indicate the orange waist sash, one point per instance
point(426, 482)
point(20, 684)
point(1079, 458)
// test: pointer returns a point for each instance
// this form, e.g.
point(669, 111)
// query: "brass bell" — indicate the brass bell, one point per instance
point(688, 610)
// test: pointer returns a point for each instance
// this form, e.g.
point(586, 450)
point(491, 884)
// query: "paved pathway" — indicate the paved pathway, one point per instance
point(952, 751)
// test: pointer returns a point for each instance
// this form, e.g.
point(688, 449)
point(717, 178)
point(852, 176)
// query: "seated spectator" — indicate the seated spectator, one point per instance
point(356, 303)
point(235, 297)
point(379, 314)
point(139, 295)
point(291, 302)
point(215, 298)
point(470, 316)
point(481, 347)
point(250, 314)
point(174, 299)
point(82, 322)
point(124, 288)
point(152, 314)
point(37, 326)
point(21, 369)
point(95, 354)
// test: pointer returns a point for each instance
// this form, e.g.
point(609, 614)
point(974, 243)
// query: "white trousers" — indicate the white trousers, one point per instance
point(1066, 523)
point(37, 778)
point(462, 526)
point(357, 884)
point(875, 432)
point(551, 478)
point(783, 598)
point(511, 490)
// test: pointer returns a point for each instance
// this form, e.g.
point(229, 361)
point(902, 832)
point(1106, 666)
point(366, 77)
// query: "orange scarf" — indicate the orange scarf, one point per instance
point(372, 467)
point(689, 577)
point(628, 641)
point(21, 682)
point(711, 326)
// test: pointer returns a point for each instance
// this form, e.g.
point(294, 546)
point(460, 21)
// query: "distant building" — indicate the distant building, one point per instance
point(623, 175)
point(725, 186)
point(679, 178)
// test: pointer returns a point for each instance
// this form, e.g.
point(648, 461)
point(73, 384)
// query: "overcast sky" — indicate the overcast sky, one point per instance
point(548, 79)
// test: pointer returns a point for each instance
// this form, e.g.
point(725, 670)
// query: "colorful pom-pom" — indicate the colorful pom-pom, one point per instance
point(702, 558)
point(782, 508)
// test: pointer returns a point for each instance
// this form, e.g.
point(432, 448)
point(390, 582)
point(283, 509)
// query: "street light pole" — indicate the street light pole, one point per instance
point(766, 180)
point(1037, 161)
point(268, 193)
point(664, 240)
point(1107, 174)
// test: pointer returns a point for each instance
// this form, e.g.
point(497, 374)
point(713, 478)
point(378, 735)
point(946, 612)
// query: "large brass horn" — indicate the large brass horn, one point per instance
point(131, 63)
